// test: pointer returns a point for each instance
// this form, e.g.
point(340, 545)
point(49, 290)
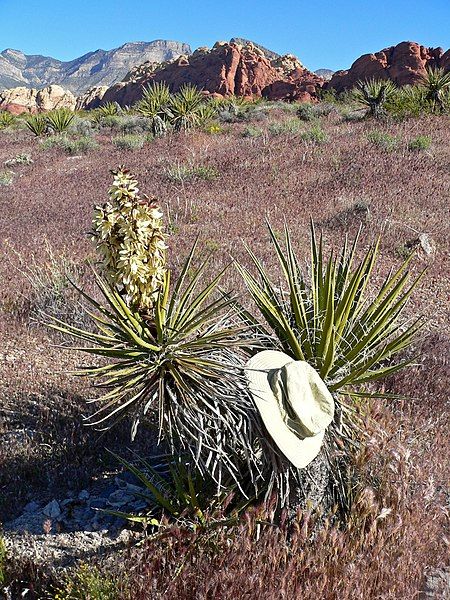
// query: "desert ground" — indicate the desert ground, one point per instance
point(222, 183)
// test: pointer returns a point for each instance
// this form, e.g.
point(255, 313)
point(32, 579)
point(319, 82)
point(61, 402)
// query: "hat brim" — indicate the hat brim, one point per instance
point(300, 452)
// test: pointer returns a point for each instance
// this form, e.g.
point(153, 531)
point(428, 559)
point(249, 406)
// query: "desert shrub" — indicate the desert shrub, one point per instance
point(6, 177)
point(110, 121)
point(6, 119)
point(72, 146)
point(108, 109)
point(351, 115)
point(81, 126)
point(309, 112)
point(252, 132)
point(37, 124)
point(129, 141)
point(50, 292)
point(19, 159)
point(315, 135)
point(373, 95)
point(305, 112)
point(87, 582)
point(408, 101)
point(59, 120)
point(420, 143)
point(383, 140)
point(183, 172)
point(287, 127)
point(213, 128)
point(135, 124)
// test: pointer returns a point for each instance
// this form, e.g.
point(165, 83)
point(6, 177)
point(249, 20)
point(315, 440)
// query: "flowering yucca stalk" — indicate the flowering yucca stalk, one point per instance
point(130, 239)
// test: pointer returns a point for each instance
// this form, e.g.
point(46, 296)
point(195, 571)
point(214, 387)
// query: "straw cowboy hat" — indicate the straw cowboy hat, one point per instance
point(293, 401)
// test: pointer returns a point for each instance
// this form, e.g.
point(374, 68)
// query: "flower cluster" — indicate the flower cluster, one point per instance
point(130, 239)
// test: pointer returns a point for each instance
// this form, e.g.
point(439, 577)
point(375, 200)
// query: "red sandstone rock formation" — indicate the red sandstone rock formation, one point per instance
point(226, 69)
point(404, 64)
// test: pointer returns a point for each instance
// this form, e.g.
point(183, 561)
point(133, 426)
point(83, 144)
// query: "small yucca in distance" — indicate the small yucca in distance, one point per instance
point(373, 94)
point(436, 83)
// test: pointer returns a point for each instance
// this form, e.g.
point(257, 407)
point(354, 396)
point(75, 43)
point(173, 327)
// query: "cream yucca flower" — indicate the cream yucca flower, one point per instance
point(130, 239)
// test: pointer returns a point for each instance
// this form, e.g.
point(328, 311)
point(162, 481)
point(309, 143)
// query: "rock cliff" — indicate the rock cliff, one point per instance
point(404, 64)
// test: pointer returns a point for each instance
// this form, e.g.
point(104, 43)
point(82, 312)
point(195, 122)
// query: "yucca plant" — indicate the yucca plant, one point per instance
point(37, 124)
point(6, 119)
point(186, 108)
point(173, 353)
point(373, 94)
point(174, 489)
point(59, 120)
point(179, 370)
point(436, 83)
point(330, 320)
point(108, 109)
point(154, 106)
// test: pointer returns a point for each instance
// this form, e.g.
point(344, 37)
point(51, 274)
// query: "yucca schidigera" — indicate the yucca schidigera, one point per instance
point(130, 239)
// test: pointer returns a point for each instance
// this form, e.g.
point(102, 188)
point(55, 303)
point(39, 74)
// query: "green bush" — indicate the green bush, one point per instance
point(183, 172)
point(130, 141)
point(72, 146)
point(420, 143)
point(305, 112)
point(19, 159)
point(288, 127)
point(6, 119)
point(6, 177)
point(252, 132)
point(110, 121)
point(315, 135)
point(383, 140)
point(87, 583)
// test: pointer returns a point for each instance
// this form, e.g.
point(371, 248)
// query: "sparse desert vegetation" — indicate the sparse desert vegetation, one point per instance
point(218, 173)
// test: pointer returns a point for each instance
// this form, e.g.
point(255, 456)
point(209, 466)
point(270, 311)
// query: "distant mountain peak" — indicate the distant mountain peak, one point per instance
point(96, 68)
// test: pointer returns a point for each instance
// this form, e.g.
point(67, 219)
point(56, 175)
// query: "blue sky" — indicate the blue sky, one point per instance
point(321, 34)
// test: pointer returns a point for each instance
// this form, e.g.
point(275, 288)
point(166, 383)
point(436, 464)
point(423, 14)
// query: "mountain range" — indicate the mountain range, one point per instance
point(98, 68)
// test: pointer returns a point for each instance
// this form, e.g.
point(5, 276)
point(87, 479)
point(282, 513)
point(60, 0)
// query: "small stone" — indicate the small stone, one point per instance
point(52, 509)
point(83, 495)
point(134, 489)
point(426, 243)
point(31, 507)
point(97, 503)
point(67, 502)
point(119, 498)
point(138, 505)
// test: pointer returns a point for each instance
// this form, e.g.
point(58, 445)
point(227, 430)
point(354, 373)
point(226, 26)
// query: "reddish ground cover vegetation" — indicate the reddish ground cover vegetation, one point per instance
point(341, 183)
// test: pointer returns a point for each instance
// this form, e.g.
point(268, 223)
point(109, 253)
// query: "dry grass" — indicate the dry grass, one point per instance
point(341, 184)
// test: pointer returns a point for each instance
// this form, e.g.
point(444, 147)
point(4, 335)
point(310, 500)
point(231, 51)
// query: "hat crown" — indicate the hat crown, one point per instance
point(304, 400)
